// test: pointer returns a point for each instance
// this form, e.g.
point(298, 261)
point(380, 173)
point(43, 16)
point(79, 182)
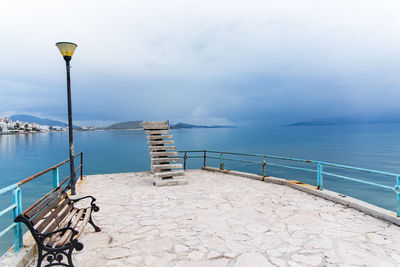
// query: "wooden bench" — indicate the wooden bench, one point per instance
point(56, 224)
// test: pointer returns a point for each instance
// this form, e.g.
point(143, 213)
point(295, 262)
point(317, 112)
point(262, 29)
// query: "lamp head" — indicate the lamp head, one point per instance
point(67, 49)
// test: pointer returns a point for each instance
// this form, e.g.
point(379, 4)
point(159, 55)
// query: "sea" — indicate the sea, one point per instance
point(374, 147)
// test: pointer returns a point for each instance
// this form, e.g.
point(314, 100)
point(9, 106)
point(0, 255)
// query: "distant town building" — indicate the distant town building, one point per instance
point(58, 128)
point(89, 128)
point(8, 126)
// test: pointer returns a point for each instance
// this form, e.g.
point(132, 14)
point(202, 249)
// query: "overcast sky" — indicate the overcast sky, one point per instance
point(204, 62)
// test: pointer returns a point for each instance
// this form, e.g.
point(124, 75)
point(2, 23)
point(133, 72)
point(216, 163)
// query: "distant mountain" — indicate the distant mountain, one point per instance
point(41, 121)
point(129, 125)
point(349, 120)
point(181, 125)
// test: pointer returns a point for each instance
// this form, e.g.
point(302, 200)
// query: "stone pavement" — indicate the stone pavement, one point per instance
point(224, 220)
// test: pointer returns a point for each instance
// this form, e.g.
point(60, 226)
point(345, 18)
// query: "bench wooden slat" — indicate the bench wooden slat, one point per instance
point(41, 215)
point(84, 222)
point(53, 214)
point(50, 241)
point(73, 224)
point(54, 225)
point(66, 221)
point(41, 203)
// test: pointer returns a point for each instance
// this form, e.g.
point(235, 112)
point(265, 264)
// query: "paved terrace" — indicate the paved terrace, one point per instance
point(224, 220)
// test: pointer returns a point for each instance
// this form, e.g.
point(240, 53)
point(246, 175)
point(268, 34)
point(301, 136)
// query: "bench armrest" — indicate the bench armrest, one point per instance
point(94, 206)
point(76, 200)
point(78, 246)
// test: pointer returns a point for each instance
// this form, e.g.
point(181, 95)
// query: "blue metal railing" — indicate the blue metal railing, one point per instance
point(16, 205)
point(319, 170)
point(16, 208)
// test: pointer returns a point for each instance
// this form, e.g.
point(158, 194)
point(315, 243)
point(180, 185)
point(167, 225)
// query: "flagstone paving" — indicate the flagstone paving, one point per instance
point(224, 220)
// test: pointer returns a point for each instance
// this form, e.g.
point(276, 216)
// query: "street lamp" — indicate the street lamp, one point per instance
point(67, 50)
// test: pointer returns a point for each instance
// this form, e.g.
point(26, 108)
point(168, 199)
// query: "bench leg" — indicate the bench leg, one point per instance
point(96, 228)
point(40, 257)
point(70, 264)
point(56, 258)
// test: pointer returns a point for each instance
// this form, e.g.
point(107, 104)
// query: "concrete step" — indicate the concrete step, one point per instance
point(169, 182)
point(152, 137)
point(167, 167)
point(164, 142)
point(152, 148)
point(156, 127)
point(158, 132)
point(164, 160)
point(163, 154)
point(168, 174)
point(155, 123)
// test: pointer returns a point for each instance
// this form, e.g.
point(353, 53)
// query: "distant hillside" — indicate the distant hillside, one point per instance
point(129, 125)
point(349, 120)
point(41, 121)
point(181, 125)
point(125, 125)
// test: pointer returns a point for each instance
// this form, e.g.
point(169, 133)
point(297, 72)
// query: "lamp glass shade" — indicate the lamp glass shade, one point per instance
point(66, 48)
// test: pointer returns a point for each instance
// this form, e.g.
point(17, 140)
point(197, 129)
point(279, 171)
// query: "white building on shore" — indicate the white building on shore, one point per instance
point(8, 126)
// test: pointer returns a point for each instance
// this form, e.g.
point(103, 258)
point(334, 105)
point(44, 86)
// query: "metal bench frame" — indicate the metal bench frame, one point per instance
point(55, 255)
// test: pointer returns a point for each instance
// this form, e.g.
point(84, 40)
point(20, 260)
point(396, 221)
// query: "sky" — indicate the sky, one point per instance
point(202, 62)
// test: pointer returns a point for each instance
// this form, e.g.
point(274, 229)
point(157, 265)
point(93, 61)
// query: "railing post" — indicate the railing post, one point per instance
point(18, 242)
point(56, 178)
point(184, 161)
point(320, 181)
point(221, 161)
point(398, 196)
point(263, 163)
point(205, 156)
point(81, 165)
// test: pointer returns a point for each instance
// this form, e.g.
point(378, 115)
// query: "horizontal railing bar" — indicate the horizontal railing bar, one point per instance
point(49, 193)
point(357, 180)
point(34, 204)
point(211, 157)
point(291, 167)
point(7, 229)
point(45, 171)
point(8, 209)
point(77, 168)
point(192, 157)
point(262, 156)
point(8, 188)
point(243, 160)
point(66, 179)
point(298, 160)
point(359, 169)
point(183, 151)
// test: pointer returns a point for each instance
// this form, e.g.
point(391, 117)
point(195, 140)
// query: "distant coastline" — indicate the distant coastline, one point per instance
point(24, 124)
point(348, 120)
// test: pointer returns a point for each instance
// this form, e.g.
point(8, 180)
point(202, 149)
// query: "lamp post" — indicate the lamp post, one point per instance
point(67, 50)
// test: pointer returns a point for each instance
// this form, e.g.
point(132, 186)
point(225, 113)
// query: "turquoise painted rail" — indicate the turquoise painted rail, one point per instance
point(319, 170)
point(16, 206)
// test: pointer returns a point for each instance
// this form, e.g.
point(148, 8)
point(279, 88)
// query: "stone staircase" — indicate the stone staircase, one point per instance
point(163, 154)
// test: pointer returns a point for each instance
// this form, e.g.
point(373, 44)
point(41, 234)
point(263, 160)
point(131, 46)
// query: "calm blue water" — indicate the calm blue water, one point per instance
point(369, 146)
